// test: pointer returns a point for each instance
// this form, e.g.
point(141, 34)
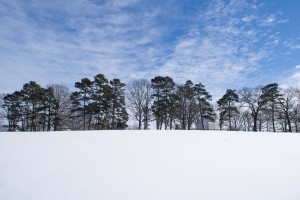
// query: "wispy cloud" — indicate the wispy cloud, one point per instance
point(51, 42)
point(292, 79)
point(219, 43)
point(224, 45)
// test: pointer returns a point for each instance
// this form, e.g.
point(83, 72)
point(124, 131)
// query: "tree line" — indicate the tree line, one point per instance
point(263, 108)
point(96, 105)
point(102, 104)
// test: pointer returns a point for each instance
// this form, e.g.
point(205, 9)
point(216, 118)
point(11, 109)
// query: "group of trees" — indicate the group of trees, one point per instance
point(264, 108)
point(169, 105)
point(99, 104)
point(32, 109)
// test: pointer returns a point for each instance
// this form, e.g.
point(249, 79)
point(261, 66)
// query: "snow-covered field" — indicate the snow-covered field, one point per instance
point(154, 165)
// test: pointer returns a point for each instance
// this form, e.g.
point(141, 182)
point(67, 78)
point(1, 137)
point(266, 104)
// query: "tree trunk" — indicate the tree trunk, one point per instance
point(288, 122)
point(255, 122)
point(273, 118)
point(201, 115)
point(229, 116)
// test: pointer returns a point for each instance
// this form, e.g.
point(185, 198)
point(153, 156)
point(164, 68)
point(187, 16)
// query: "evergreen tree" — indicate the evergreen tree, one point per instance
point(81, 99)
point(101, 100)
point(186, 105)
point(12, 106)
point(272, 96)
point(205, 108)
point(119, 115)
point(51, 109)
point(33, 95)
point(227, 107)
point(163, 89)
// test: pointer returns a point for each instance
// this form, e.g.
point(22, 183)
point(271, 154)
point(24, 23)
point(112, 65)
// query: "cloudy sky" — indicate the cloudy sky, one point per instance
point(220, 43)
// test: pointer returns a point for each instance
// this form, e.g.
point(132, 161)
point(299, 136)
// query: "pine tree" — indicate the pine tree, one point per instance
point(119, 115)
point(100, 100)
point(163, 89)
point(51, 108)
point(12, 106)
point(205, 108)
point(186, 105)
point(80, 99)
point(227, 107)
point(272, 96)
point(33, 95)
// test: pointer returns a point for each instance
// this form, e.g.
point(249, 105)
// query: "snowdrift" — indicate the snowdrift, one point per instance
point(148, 165)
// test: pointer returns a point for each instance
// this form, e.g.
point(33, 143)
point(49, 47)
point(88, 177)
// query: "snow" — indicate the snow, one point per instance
point(149, 165)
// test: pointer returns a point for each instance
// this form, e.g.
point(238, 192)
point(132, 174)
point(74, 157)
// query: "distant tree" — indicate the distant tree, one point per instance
point(205, 108)
point(287, 102)
point(186, 105)
point(2, 113)
point(51, 108)
point(101, 97)
point(138, 96)
point(119, 115)
point(62, 96)
point(80, 99)
point(227, 107)
point(163, 89)
point(33, 95)
point(12, 104)
point(256, 99)
point(296, 111)
point(272, 95)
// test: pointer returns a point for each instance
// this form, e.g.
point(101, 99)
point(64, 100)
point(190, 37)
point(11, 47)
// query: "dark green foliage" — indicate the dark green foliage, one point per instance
point(81, 99)
point(13, 107)
point(99, 103)
point(119, 115)
point(272, 97)
point(227, 107)
point(206, 110)
point(31, 109)
point(186, 105)
point(163, 89)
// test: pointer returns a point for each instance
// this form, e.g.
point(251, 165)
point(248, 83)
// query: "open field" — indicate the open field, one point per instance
point(149, 165)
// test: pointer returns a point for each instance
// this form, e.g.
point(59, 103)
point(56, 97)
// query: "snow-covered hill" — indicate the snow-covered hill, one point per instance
point(149, 165)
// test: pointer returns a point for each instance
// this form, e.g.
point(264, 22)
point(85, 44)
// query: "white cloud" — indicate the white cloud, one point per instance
point(224, 47)
point(293, 79)
point(64, 41)
point(90, 39)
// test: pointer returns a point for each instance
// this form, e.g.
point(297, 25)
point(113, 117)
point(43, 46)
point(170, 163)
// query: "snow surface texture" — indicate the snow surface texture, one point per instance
point(154, 165)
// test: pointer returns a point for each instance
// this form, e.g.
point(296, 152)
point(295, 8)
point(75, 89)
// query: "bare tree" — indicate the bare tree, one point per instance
point(247, 120)
point(2, 113)
point(287, 102)
point(139, 99)
point(62, 95)
point(255, 99)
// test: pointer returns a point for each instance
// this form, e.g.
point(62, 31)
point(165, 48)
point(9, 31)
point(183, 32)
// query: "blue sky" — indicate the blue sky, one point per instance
point(220, 43)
